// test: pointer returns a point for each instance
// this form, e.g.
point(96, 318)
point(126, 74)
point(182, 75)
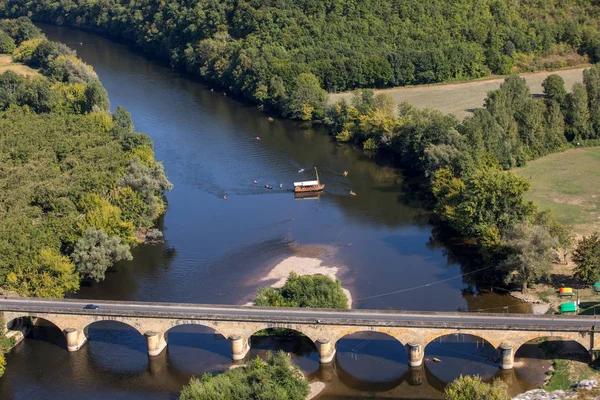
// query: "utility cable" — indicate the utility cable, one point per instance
point(423, 286)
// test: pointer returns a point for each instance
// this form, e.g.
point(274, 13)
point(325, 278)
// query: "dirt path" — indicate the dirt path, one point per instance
point(461, 99)
point(6, 64)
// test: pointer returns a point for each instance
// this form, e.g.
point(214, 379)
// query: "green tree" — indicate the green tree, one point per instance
point(591, 80)
point(68, 68)
point(314, 291)
point(7, 44)
point(472, 388)
point(2, 364)
point(554, 90)
point(586, 257)
point(484, 204)
point(307, 98)
point(37, 94)
point(51, 275)
point(96, 96)
point(578, 115)
point(95, 252)
point(562, 233)
point(555, 127)
point(122, 119)
point(149, 181)
point(20, 29)
point(274, 378)
point(530, 253)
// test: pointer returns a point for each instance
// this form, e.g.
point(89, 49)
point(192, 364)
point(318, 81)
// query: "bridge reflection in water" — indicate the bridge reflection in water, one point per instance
point(367, 364)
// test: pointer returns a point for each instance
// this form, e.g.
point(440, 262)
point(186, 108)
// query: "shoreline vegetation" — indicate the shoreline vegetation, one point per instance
point(80, 186)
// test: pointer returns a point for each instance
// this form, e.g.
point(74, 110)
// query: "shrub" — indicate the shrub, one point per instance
point(472, 388)
point(314, 291)
point(274, 379)
point(7, 44)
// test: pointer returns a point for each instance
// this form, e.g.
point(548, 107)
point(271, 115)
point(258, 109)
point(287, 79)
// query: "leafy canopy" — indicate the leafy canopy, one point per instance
point(314, 291)
point(472, 388)
point(586, 257)
point(274, 378)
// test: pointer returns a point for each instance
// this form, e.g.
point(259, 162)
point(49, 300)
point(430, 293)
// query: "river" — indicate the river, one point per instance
point(216, 251)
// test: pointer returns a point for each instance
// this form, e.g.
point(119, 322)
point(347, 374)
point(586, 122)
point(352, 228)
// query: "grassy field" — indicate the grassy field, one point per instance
point(568, 183)
point(461, 98)
point(6, 64)
point(570, 364)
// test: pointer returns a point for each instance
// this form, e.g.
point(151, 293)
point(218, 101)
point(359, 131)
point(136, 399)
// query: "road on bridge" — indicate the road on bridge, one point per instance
point(298, 315)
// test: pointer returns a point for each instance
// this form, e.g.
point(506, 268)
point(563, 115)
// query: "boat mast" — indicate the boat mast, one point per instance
point(317, 172)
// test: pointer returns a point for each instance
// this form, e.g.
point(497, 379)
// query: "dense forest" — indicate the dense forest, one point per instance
point(277, 52)
point(78, 185)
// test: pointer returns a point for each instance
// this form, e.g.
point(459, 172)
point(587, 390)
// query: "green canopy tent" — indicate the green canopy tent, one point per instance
point(568, 307)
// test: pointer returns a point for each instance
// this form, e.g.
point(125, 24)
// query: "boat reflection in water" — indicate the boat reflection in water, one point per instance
point(307, 195)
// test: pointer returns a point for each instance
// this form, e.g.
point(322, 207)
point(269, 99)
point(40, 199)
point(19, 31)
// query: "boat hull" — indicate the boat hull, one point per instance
point(308, 189)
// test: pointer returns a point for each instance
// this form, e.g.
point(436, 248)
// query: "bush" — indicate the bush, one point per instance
point(68, 68)
point(274, 379)
point(314, 291)
point(7, 44)
point(24, 52)
point(587, 259)
point(20, 29)
point(95, 252)
point(472, 388)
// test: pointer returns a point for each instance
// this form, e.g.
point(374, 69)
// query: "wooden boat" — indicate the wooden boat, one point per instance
point(309, 186)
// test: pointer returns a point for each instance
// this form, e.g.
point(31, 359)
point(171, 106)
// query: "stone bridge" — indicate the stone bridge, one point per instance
point(415, 330)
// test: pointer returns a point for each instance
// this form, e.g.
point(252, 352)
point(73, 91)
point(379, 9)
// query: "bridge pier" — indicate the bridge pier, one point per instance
point(507, 356)
point(156, 343)
point(326, 351)
point(415, 354)
point(239, 347)
point(75, 338)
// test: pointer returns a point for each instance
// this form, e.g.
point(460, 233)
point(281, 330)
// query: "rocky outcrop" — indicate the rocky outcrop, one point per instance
point(541, 394)
point(587, 384)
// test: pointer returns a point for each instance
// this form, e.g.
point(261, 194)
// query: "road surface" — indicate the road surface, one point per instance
point(295, 315)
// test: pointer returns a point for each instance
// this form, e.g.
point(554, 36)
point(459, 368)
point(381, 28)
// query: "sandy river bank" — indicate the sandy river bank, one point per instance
point(308, 260)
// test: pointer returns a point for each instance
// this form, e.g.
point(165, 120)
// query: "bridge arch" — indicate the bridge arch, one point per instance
point(121, 321)
point(11, 317)
point(562, 346)
point(49, 331)
point(378, 360)
point(461, 354)
point(486, 336)
point(288, 339)
point(113, 324)
point(581, 338)
point(350, 330)
point(305, 330)
point(206, 324)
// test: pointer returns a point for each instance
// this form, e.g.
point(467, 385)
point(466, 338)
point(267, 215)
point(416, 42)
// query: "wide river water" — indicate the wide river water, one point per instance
point(217, 251)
